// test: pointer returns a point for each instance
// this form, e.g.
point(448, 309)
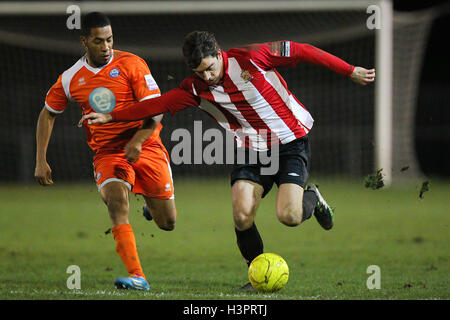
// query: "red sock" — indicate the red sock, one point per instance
point(126, 248)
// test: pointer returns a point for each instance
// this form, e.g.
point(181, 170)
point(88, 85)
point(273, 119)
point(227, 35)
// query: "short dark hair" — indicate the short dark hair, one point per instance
point(198, 45)
point(93, 20)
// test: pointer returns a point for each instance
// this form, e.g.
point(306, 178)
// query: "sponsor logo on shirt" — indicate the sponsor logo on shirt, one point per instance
point(102, 100)
point(81, 81)
point(151, 83)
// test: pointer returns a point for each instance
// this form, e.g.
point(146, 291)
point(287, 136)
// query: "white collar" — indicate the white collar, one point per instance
point(93, 69)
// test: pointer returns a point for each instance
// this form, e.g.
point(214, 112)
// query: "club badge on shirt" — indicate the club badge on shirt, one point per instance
point(246, 76)
point(114, 73)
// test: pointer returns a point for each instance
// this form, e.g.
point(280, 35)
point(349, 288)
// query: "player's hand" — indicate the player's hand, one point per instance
point(95, 118)
point(133, 151)
point(363, 76)
point(43, 174)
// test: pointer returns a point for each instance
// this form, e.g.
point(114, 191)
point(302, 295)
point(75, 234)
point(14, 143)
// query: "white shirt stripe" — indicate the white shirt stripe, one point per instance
point(214, 112)
point(224, 100)
point(259, 104)
point(299, 112)
point(255, 105)
point(67, 76)
point(257, 141)
point(150, 96)
point(51, 109)
point(302, 115)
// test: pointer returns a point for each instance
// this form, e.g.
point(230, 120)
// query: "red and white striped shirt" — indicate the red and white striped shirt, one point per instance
point(252, 100)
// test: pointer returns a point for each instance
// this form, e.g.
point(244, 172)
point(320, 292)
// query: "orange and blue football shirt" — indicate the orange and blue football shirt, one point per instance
point(123, 81)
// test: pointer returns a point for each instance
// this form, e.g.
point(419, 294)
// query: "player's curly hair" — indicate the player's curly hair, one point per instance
point(198, 45)
point(93, 20)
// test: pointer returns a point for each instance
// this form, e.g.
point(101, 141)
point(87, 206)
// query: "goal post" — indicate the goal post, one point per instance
point(383, 92)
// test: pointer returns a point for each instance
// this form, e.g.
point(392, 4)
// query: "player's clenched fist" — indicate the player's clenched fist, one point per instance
point(133, 151)
point(363, 76)
point(95, 118)
point(43, 174)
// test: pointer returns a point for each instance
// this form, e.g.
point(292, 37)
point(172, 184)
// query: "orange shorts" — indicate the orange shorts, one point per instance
point(150, 176)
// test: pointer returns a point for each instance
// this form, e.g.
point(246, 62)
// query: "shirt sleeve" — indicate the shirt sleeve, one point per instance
point(143, 84)
point(288, 54)
point(56, 100)
point(172, 101)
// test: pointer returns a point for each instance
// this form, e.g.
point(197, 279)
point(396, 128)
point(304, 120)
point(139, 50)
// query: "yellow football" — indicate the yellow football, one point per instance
point(268, 272)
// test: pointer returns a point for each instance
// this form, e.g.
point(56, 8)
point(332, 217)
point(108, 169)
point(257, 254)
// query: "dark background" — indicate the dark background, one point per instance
point(432, 131)
point(433, 108)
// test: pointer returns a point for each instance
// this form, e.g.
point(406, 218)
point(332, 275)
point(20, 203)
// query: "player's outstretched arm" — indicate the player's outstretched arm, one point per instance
point(304, 52)
point(95, 118)
point(363, 76)
point(44, 128)
point(172, 101)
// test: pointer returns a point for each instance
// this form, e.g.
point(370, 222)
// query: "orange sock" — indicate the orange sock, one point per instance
point(126, 248)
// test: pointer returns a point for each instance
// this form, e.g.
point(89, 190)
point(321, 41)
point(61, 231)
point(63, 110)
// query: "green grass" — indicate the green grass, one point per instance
point(45, 230)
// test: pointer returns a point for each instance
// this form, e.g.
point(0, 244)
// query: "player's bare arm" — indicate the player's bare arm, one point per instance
point(363, 76)
point(134, 147)
point(43, 172)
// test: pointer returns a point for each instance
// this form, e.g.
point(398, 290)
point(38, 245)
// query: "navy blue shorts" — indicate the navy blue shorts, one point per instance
point(293, 167)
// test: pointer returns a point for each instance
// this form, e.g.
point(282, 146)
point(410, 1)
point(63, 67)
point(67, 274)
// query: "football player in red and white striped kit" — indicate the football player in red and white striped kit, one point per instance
point(243, 91)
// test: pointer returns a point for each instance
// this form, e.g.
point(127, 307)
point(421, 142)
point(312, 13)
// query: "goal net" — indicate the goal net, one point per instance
point(36, 46)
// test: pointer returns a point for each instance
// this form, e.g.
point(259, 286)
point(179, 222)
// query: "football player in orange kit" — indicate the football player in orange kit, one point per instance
point(129, 156)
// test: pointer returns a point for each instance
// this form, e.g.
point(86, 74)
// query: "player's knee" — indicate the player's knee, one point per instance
point(167, 225)
point(243, 219)
point(290, 217)
point(166, 222)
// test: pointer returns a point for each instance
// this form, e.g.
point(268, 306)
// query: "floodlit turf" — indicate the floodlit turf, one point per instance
point(46, 230)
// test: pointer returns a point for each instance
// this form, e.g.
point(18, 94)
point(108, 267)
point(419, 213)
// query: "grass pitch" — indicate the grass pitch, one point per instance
point(45, 230)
